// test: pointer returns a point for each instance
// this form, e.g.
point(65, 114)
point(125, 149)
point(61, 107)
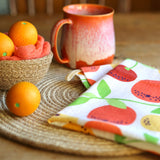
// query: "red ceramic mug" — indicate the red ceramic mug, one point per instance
point(87, 37)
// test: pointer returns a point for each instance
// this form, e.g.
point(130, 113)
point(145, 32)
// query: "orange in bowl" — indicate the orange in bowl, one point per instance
point(23, 33)
point(6, 45)
point(23, 98)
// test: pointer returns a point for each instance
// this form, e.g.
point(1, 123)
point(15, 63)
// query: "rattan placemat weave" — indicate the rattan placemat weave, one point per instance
point(35, 131)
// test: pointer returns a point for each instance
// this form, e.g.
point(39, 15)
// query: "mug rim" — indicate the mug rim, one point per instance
point(88, 4)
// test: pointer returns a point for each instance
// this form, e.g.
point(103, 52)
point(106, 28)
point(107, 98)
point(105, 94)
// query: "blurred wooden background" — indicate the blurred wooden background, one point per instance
point(136, 5)
point(57, 5)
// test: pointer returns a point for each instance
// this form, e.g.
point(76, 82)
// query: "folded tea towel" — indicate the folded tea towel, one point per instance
point(122, 103)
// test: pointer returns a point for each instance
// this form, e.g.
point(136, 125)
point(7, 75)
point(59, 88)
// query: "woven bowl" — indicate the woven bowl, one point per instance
point(12, 72)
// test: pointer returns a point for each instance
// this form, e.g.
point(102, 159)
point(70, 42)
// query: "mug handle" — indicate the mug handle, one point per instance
point(54, 36)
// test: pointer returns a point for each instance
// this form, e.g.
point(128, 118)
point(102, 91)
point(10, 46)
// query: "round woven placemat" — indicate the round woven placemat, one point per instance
point(35, 131)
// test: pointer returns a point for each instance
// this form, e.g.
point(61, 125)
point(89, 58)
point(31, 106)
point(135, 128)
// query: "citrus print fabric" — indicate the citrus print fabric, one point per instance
point(89, 75)
point(123, 105)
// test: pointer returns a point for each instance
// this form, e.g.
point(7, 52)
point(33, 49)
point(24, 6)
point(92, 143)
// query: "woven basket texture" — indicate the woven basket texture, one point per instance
point(34, 130)
point(12, 72)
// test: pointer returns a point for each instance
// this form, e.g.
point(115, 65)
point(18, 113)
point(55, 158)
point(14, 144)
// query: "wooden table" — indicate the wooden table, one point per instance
point(137, 37)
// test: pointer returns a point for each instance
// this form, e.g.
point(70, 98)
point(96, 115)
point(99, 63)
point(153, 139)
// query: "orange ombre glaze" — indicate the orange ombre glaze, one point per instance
point(108, 60)
point(88, 35)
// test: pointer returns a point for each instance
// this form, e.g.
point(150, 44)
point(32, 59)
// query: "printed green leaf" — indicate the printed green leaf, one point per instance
point(124, 140)
point(79, 101)
point(86, 84)
point(127, 68)
point(116, 103)
point(157, 111)
point(148, 66)
point(103, 89)
point(150, 138)
point(91, 95)
point(119, 139)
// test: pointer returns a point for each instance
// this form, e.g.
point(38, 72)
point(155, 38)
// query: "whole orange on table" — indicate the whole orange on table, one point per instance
point(23, 98)
point(23, 33)
point(6, 45)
